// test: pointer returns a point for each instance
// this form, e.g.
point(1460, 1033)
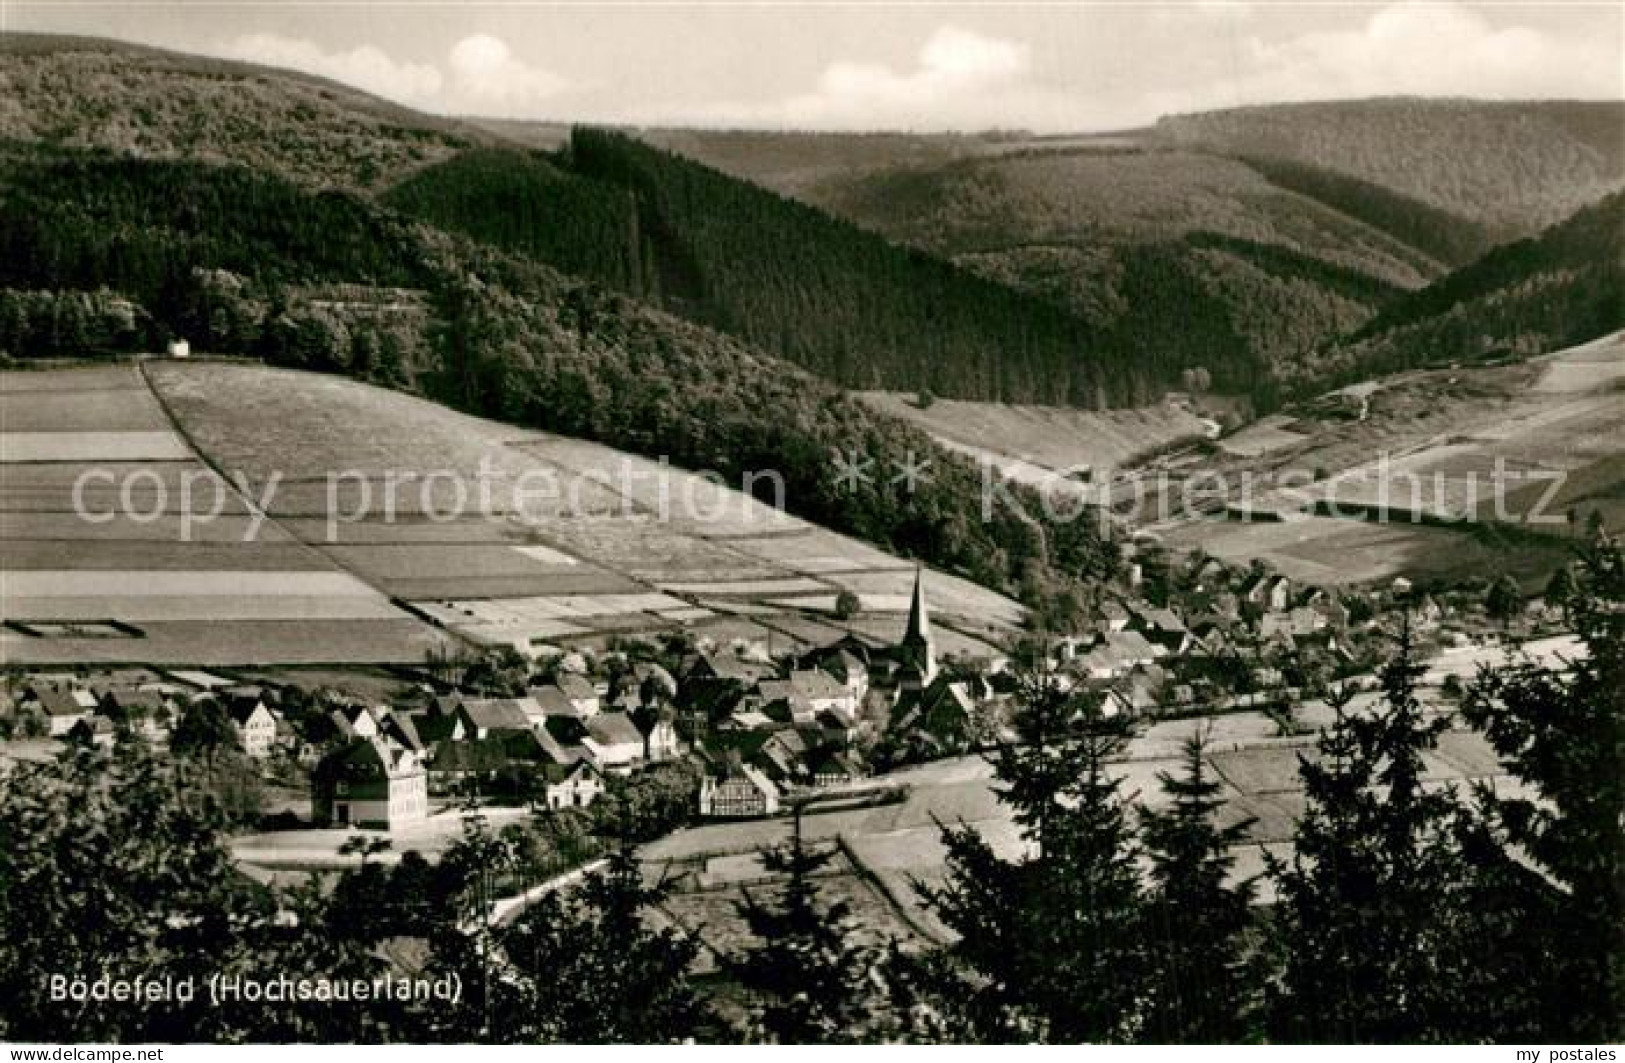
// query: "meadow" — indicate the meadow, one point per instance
point(524, 537)
point(160, 556)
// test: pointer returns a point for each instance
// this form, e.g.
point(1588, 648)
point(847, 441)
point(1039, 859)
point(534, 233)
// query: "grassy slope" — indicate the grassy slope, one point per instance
point(232, 257)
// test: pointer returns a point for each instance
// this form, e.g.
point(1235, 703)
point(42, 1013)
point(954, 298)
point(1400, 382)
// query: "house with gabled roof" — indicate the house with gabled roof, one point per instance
point(488, 717)
point(582, 695)
point(1268, 591)
point(435, 726)
point(252, 719)
point(94, 730)
point(944, 711)
point(820, 690)
point(1162, 627)
point(1115, 655)
point(714, 667)
point(661, 740)
point(615, 741)
point(779, 700)
point(738, 791)
point(58, 704)
point(845, 666)
point(399, 727)
point(370, 782)
point(575, 785)
point(1114, 615)
point(561, 741)
point(1295, 621)
point(834, 767)
point(134, 704)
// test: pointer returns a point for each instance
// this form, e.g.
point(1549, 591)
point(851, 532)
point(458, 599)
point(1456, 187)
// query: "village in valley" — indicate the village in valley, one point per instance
point(744, 733)
point(957, 538)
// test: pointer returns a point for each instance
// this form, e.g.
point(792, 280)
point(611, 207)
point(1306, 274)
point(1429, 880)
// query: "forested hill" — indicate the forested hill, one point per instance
point(784, 276)
point(1514, 167)
point(111, 253)
point(93, 93)
point(1245, 238)
point(1558, 289)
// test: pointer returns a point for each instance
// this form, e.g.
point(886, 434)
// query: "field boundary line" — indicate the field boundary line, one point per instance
point(330, 562)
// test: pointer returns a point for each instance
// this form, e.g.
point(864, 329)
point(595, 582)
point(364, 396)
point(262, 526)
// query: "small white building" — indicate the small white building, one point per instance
point(254, 722)
point(741, 791)
point(575, 786)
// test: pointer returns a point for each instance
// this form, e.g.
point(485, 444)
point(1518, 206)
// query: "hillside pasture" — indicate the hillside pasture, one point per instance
point(1465, 449)
point(1049, 437)
point(159, 557)
point(557, 540)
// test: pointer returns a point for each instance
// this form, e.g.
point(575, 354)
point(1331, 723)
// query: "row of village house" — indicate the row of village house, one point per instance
point(759, 727)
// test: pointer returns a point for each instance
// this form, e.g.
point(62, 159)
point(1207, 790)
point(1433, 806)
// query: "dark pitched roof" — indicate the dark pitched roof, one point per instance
point(553, 700)
point(400, 726)
point(566, 730)
point(816, 683)
point(57, 701)
point(240, 705)
point(614, 728)
point(575, 686)
point(496, 714)
point(432, 727)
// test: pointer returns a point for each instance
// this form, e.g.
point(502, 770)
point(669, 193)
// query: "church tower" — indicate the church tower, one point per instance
point(917, 649)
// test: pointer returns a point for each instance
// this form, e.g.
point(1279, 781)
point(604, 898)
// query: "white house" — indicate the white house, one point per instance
point(741, 791)
point(573, 786)
point(253, 721)
point(615, 741)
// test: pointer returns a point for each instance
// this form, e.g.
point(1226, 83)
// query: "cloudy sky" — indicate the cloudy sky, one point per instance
point(1047, 66)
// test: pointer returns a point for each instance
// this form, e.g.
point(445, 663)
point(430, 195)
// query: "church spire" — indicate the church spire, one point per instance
point(919, 620)
point(918, 648)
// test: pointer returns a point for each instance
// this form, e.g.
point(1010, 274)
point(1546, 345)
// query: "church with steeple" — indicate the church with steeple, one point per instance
point(917, 653)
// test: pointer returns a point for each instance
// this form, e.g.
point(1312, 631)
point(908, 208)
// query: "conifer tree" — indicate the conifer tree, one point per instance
point(585, 966)
point(1051, 938)
point(812, 982)
point(1196, 920)
point(1370, 932)
point(1561, 731)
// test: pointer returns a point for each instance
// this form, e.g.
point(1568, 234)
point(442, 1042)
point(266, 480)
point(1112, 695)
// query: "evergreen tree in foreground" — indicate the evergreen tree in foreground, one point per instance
point(1371, 934)
point(585, 966)
point(1561, 730)
point(1051, 941)
point(1196, 921)
point(812, 982)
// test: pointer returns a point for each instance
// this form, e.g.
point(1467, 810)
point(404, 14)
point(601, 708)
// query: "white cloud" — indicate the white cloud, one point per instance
point(365, 68)
point(1413, 49)
point(961, 79)
point(481, 75)
point(487, 79)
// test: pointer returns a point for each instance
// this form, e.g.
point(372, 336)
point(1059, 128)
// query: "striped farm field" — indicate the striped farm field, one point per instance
point(205, 513)
point(502, 535)
point(109, 518)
